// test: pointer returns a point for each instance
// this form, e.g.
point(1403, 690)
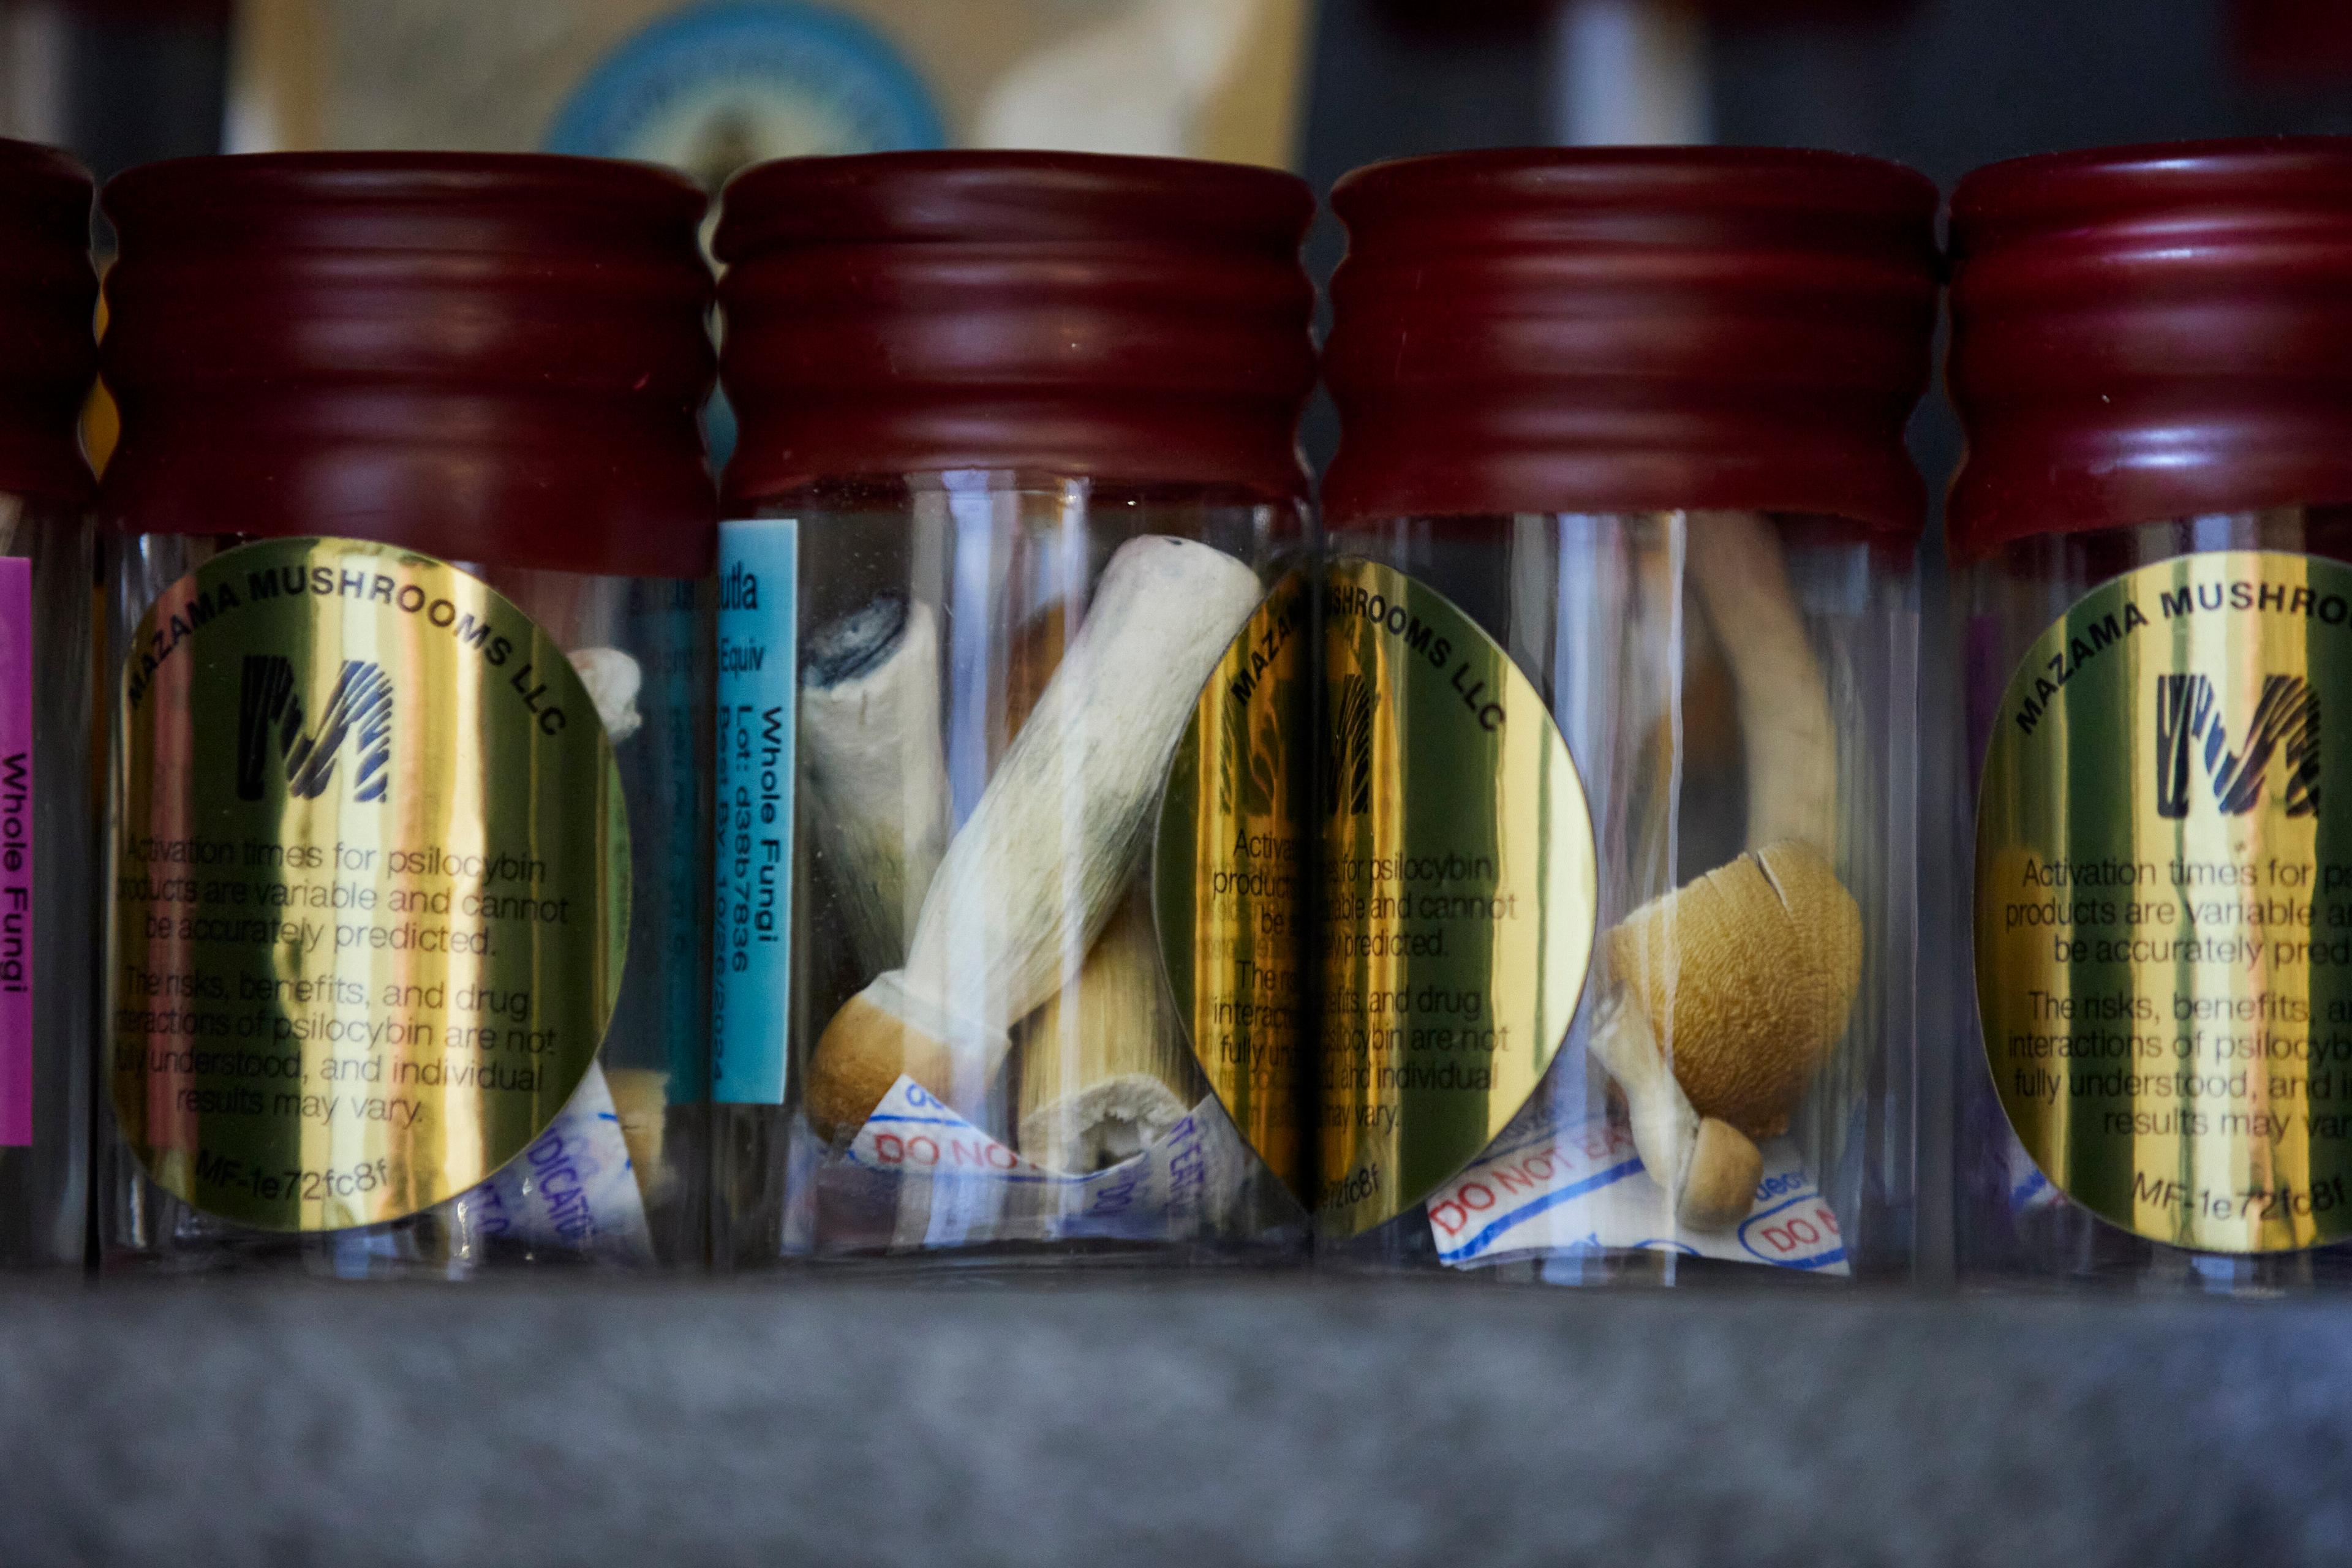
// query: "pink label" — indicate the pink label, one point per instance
point(16, 852)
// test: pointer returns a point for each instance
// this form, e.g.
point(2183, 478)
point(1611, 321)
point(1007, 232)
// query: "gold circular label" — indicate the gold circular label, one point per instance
point(2164, 908)
point(1452, 849)
point(1460, 886)
point(372, 884)
point(1230, 888)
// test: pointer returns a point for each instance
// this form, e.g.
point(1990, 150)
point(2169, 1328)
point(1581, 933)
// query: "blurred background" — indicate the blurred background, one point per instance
point(1318, 86)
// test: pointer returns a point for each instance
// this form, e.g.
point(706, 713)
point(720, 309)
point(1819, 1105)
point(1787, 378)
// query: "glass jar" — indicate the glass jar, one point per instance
point(409, 563)
point(1018, 467)
point(2152, 537)
point(1622, 628)
point(46, 295)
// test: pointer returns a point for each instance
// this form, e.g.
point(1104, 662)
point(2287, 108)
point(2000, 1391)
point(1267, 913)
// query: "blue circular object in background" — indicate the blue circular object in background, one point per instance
point(714, 88)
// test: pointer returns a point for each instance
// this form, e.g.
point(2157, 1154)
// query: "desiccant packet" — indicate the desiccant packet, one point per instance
point(573, 1188)
point(1552, 1183)
point(955, 1185)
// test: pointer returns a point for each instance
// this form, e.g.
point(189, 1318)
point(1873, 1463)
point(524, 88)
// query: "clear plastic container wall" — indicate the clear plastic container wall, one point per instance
point(2150, 1097)
point(619, 1176)
point(984, 1060)
point(1738, 691)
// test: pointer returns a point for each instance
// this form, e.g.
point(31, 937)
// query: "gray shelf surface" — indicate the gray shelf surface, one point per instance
point(1263, 1420)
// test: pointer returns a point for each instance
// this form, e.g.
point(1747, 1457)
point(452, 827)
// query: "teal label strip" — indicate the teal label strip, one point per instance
point(758, 596)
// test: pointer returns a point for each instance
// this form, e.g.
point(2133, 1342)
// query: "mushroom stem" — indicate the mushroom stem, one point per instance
point(1032, 879)
point(1105, 1068)
point(1753, 967)
point(1741, 576)
point(1707, 1168)
point(641, 1102)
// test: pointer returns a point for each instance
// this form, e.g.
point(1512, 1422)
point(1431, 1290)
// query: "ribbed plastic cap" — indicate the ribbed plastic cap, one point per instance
point(498, 359)
point(1632, 328)
point(1135, 320)
point(47, 295)
point(2150, 333)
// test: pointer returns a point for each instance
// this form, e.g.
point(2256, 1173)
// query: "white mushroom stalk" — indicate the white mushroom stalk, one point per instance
point(1105, 1068)
point(1031, 880)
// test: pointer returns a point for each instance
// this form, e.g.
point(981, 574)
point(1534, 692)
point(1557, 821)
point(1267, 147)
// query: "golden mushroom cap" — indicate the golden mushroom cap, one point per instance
point(1748, 975)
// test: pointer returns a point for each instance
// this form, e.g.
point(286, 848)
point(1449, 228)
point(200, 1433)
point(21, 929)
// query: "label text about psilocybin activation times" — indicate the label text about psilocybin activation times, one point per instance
point(2164, 902)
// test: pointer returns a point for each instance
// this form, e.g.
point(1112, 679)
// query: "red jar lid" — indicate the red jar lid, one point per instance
point(2151, 333)
point(47, 295)
point(1630, 329)
point(1142, 321)
point(492, 358)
